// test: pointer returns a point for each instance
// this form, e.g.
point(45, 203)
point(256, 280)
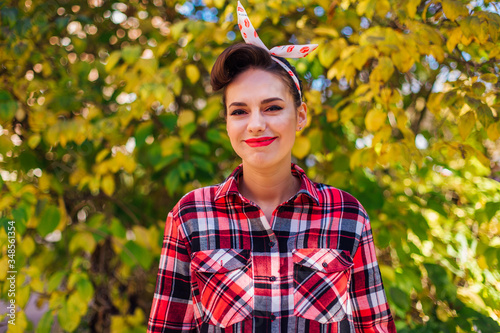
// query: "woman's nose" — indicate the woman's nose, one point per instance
point(256, 122)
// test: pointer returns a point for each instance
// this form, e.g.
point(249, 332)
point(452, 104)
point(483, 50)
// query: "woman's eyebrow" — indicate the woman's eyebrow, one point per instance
point(272, 99)
point(265, 101)
point(237, 104)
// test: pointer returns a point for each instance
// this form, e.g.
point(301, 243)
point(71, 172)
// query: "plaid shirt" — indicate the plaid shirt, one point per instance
point(224, 268)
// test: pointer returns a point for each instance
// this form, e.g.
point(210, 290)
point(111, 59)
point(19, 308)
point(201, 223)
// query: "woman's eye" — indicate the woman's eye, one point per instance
point(237, 112)
point(274, 108)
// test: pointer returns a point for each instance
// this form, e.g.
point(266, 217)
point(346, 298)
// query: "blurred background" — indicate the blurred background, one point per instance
point(107, 119)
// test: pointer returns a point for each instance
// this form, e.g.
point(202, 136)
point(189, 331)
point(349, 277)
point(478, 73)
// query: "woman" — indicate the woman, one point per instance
point(267, 250)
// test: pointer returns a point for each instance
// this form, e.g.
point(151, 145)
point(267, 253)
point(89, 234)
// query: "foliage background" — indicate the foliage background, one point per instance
point(107, 119)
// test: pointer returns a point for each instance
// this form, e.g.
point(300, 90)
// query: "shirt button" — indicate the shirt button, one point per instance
point(273, 317)
point(271, 244)
point(325, 264)
point(272, 278)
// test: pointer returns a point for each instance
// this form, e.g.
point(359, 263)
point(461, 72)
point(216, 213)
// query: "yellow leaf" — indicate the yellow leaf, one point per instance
point(382, 7)
point(332, 115)
point(365, 157)
point(118, 324)
point(481, 261)
point(142, 236)
point(34, 140)
point(112, 60)
point(490, 78)
point(82, 240)
point(434, 103)
point(437, 52)
point(374, 120)
point(21, 323)
point(101, 155)
point(192, 73)
point(411, 7)
point(453, 9)
point(326, 31)
point(170, 146)
point(301, 147)
point(382, 135)
point(22, 295)
point(331, 51)
point(453, 39)
point(108, 184)
point(383, 71)
point(366, 8)
point(68, 317)
point(402, 60)
point(493, 131)
point(465, 124)
point(77, 303)
point(27, 246)
point(185, 117)
point(4, 267)
point(361, 56)
point(387, 272)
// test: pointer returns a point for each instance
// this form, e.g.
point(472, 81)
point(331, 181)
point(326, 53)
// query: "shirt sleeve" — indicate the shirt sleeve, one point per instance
point(172, 308)
point(371, 311)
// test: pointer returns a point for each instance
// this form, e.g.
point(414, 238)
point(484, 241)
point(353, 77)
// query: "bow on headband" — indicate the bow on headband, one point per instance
point(287, 51)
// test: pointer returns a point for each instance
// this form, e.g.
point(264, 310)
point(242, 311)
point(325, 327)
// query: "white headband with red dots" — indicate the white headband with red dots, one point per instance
point(287, 51)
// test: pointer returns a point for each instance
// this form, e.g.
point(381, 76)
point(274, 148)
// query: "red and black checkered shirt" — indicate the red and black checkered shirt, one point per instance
point(225, 268)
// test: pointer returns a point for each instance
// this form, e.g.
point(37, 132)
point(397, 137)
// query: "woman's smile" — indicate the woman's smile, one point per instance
point(260, 142)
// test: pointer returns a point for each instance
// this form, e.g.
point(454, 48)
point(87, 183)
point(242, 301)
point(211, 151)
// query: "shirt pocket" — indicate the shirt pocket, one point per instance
point(224, 280)
point(321, 281)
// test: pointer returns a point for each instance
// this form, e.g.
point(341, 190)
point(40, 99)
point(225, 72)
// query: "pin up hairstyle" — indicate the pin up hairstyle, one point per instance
point(239, 57)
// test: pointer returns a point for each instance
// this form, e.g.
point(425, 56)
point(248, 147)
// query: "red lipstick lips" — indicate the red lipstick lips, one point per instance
point(260, 142)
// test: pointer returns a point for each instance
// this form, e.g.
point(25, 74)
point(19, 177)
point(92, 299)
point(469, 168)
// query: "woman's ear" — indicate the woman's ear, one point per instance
point(301, 116)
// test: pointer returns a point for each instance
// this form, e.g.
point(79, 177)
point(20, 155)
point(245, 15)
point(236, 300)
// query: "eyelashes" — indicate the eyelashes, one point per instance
point(271, 108)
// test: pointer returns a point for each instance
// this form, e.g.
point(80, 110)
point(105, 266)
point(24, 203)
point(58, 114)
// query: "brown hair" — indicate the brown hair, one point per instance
point(239, 57)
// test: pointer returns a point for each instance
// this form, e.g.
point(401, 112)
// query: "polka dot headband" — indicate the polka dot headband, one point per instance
point(287, 51)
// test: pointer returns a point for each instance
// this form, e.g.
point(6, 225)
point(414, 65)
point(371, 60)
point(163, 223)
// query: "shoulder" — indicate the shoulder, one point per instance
point(196, 199)
point(339, 199)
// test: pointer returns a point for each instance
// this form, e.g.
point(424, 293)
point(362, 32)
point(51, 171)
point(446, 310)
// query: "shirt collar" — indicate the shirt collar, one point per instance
point(230, 185)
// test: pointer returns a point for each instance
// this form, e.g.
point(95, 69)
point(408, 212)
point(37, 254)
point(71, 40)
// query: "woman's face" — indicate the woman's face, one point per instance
point(262, 119)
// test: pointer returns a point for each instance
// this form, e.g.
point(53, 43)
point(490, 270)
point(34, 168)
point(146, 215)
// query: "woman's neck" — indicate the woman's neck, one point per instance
point(269, 187)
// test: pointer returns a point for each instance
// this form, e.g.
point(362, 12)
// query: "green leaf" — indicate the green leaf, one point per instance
point(49, 220)
point(85, 290)
point(131, 53)
point(8, 106)
point(20, 216)
point(172, 181)
point(142, 132)
point(117, 229)
point(203, 164)
point(45, 323)
point(400, 298)
point(136, 254)
point(491, 209)
point(186, 170)
point(439, 278)
point(169, 120)
point(55, 281)
point(199, 147)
